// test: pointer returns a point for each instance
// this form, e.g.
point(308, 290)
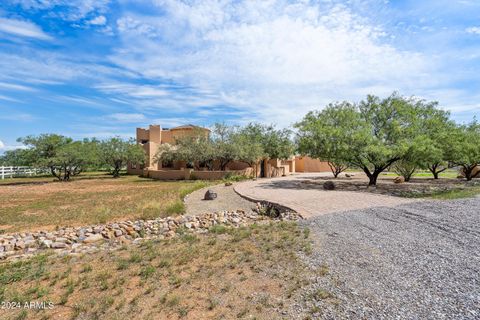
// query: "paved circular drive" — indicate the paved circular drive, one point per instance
point(308, 200)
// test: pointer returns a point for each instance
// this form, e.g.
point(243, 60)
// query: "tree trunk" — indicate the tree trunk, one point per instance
point(468, 172)
point(373, 179)
point(433, 170)
point(372, 176)
point(54, 173)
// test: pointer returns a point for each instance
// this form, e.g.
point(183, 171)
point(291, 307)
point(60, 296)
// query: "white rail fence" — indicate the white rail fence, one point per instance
point(12, 172)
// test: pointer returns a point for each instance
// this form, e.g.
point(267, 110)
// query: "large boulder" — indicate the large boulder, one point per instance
point(475, 173)
point(210, 195)
point(329, 185)
point(399, 179)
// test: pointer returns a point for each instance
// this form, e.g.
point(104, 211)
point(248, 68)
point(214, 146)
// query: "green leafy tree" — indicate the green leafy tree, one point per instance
point(116, 153)
point(371, 135)
point(322, 135)
point(225, 150)
point(275, 143)
point(465, 151)
point(405, 168)
point(63, 156)
point(435, 140)
point(16, 157)
point(196, 150)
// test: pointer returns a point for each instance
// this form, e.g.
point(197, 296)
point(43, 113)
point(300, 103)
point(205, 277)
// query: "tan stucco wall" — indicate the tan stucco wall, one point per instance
point(186, 174)
point(307, 164)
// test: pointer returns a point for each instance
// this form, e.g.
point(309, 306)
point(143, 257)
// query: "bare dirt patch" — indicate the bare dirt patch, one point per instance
point(416, 187)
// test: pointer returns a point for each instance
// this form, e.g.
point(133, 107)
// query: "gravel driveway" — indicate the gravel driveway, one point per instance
point(414, 261)
point(310, 200)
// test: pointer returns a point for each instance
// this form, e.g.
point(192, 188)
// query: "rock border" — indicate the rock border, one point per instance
point(76, 240)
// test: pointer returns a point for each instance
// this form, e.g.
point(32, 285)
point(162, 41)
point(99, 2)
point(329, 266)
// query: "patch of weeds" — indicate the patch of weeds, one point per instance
point(172, 300)
point(22, 315)
point(147, 271)
point(323, 270)
point(218, 229)
point(182, 312)
point(176, 208)
point(241, 233)
point(212, 303)
point(321, 294)
point(242, 313)
point(164, 263)
point(135, 257)
point(86, 268)
point(457, 194)
point(175, 281)
point(306, 233)
point(189, 238)
point(123, 264)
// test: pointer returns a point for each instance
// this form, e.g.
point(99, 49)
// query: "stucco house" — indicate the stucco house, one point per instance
point(155, 135)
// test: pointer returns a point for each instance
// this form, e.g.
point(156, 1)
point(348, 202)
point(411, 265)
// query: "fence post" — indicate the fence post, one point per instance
point(3, 172)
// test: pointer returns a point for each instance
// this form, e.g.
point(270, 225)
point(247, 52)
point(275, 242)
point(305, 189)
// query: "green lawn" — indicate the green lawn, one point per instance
point(92, 198)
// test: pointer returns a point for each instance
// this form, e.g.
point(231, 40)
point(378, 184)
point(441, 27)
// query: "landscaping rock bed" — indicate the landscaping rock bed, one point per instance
point(91, 238)
point(414, 188)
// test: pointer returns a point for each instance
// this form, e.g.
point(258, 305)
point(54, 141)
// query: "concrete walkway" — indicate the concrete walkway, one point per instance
point(311, 200)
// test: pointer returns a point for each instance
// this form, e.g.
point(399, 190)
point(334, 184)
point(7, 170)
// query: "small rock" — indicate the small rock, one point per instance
point(329, 185)
point(19, 245)
point(58, 245)
point(93, 238)
point(210, 195)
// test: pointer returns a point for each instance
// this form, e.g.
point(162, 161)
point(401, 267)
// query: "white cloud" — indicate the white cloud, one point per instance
point(23, 29)
point(13, 86)
point(98, 21)
point(71, 10)
point(6, 98)
point(473, 30)
point(4, 147)
point(127, 117)
point(275, 59)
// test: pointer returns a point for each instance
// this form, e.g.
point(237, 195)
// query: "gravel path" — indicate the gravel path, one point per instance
point(415, 261)
point(227, 200)
point(310, 200)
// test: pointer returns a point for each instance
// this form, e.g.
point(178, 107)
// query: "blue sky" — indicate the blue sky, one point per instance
point(98, 68)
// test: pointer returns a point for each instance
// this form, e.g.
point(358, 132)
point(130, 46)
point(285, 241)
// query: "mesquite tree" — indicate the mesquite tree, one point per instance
point(115, 153)
point(63, 156)
point(466, 149)
point(371, 135)
point(322, 135)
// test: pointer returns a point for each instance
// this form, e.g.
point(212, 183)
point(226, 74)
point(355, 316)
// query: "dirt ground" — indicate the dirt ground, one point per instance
point(246, 273)
point(227, 200)
point(36, 206)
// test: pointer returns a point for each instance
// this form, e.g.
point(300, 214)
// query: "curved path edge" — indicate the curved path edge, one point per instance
point(277, 205)
point(308, 201)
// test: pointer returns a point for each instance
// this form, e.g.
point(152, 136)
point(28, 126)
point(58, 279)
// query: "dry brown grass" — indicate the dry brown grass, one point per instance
point(251, 272)
point(88, 201)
